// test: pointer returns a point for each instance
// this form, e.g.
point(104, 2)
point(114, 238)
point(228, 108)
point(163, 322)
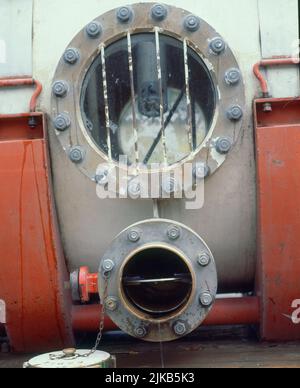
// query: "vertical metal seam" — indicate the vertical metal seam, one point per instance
point(187, 92)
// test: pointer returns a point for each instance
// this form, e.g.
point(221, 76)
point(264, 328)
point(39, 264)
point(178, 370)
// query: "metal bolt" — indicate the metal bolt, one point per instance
point(201, 171)
point(204, 259)
point(159, 12)
point(76, 154)
point(124, 14)
point(223, 145)
point(232, 76)
point(267, 107)
point(206, 299)
point(134, 189)
point(111, 304)
point(192, 23)
point(174, 232)
point(32, 123)
point(101, 177)
point(108, 265)
point(180, 328)
point(235, 113)
point(71, 56)
point(62, 122)
point(169, 185)
point(60, 88)
point(93, 29)
point(134, 235)
point(140, 332)
point(217, 45)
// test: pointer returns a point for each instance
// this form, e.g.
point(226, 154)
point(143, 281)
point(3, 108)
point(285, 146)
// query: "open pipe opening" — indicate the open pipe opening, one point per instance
point(157, 281)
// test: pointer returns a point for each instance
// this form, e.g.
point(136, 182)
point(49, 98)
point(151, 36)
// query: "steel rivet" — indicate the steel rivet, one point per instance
point(159, 12)
point(206, 299)
point(232, 76)
point(223, 145)
point(217, 45)
point(192, 23)
point(235, 113)
point(62, 122)
point(180, 328)
point(93, 29)
point(76, 154)
point(60, 88)
point(124, 14)
point(71, 56)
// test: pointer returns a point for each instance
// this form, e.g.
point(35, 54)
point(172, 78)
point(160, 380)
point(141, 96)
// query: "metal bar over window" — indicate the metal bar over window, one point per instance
point(133, 100)
point(159, 73)
point(105, 94)
point(188, 95)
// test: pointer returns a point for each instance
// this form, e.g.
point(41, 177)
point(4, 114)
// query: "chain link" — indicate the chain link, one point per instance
point(99, 335)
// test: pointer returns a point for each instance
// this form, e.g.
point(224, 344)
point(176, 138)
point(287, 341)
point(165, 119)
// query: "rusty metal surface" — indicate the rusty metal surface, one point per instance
point(32, 265)
point(278, 177)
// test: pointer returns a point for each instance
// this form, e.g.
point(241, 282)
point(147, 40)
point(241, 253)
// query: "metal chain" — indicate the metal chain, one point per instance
point(99, 335)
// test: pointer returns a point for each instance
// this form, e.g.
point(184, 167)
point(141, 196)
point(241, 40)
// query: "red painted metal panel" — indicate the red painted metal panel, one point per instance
point(278, 179)
point(33, 272)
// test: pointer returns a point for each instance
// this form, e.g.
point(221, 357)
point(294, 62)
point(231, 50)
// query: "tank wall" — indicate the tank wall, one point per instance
point(227, 222)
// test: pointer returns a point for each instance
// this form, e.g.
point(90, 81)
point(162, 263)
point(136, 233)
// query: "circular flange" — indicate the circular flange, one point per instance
point(154, 234)
point(86, 50)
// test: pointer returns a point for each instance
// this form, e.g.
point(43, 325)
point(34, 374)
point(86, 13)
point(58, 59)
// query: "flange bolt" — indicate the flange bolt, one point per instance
point(108, 265)
point(206, 299)
point(180, 328)
point(76, 154)
point(140, 332)
point(223, 145)
point(204, 259)
point(111, 304)
point(235, 113)
point(93, 29)
point(174, 232)
point(62, 122)
point(217, 46)
point(192, 23)
point(232, 76)
point(124, 14)
point(159, 12)
point(60, 88)
point(71, 56)
point(201, 171)
point(134, 235)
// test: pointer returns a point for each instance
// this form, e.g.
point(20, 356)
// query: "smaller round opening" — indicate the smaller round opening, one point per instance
point(157, 281)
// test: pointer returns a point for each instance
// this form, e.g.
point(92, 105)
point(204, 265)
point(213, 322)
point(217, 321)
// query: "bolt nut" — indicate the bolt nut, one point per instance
point(169, 185)
point(180, 328)
point(204, 259)
point(140, 332)
point(201, 171)
point(76, 154)
point(93, 29)
point(102, 175)
point(192, 23)
point(134, 189)
point(223, 145)
point(217, 46)
point(62, 122)
point(134, 235)
point(124, 14)
point(111, 304)
point(60, 88)
point(174, 232)
point(232, 76)
point(206, 299)
point(108, 265)
point(235, 113)
point(159, 12)
point(71, 56)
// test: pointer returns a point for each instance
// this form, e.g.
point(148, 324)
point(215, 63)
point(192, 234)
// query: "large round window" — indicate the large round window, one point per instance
point(149, 98)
